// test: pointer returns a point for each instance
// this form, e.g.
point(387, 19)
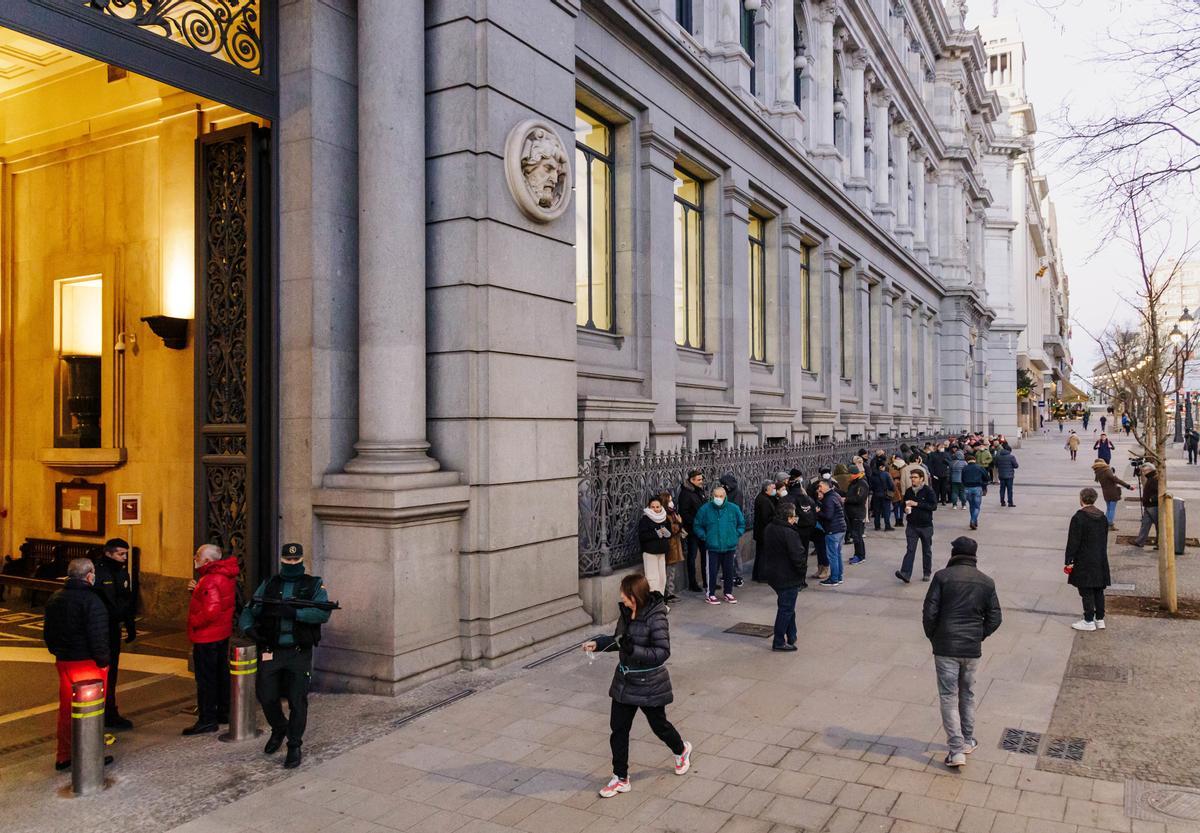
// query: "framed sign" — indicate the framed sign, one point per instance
point(129, 509)
point(79, 508)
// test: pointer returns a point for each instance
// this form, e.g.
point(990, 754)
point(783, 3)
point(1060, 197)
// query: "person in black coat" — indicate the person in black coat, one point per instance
point(116, 591)
point(784, 562)
point(691, 497)
point(961, 610)
point(1086, 562)
point(641, 681)
point(75, 630)
point(881, 493)
point(938, 462)
point(858, 495)
point(764, 511)
point(920, 503)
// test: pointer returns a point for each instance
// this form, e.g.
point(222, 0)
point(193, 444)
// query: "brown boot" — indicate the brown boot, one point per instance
point(823, 573)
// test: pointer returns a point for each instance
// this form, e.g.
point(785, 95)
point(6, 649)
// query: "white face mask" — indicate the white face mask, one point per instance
point(718, 500)
point(783, 492)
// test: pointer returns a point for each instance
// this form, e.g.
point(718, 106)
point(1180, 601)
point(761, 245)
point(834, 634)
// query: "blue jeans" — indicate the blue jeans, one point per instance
point(1110, 510)
point(956, 695)
point(1006, 484)
point(833, 551)
point(956, 494)
point(785, 617)
point(974, 499)
point(723, 560)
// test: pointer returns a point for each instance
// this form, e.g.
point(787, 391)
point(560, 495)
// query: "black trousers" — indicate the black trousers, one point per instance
point(912, 536)
point(854, 529)
point(286, 674)
point(818, 543)
point(110, 687)
point(620, 721)
point(1093, 603)
point(1191, 454)
point(211, 661)
point(942, 488)
point(881, 508)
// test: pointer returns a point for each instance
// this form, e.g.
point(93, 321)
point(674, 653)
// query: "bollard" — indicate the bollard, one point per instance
point(87, 737)
point(243, 703)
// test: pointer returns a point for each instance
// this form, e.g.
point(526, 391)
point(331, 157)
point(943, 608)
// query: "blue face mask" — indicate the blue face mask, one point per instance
point(718, 500)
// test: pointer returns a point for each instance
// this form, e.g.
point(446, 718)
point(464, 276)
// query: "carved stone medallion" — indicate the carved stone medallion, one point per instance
point(538, 170)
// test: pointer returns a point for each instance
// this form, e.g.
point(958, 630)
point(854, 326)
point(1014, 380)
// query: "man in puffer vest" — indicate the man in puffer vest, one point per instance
point(286, 635)
point(209, 625)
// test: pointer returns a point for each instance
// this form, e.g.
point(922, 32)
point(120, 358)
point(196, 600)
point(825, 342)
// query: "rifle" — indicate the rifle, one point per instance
point(296, 603)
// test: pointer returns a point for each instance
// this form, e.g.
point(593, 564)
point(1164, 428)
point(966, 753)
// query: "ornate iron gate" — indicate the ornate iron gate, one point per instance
point(232, 361)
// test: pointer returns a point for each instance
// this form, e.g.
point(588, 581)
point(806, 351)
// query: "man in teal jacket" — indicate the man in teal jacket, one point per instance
point(719, 524)
point(286, 634)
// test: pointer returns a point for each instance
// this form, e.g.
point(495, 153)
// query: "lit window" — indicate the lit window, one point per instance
point(758, 292)
point(806, 309)
point(689, 262)
point(594, 197)
point(79, 341)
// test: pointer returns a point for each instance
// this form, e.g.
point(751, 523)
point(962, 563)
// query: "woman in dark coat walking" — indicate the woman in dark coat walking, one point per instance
point(641, 681)
point(1087, 560)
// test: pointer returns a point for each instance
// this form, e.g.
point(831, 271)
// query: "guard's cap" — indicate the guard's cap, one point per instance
point(291, 551)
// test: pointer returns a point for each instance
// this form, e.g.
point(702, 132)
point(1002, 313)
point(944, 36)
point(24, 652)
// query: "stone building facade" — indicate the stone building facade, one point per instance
point(774, 214)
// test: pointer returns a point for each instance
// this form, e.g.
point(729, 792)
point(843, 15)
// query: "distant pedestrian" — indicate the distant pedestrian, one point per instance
point(1087, 416)
point(719, 524)
point(1103, 422)
point(691, 497)
point(75, 629)
point(1149, 504)
point(654, 537)
point(1086, 563)
point(784, 565)
point(1110, 488)
point(974, 479)
point(899, 483)
point(1060, 425)
point(961, 611)
point(958, 498)
point(764, 510)
point(641, 680)
point(919, 503)
point(209, 626)
point(1191, 441)
point(1073, 444)
point(1126, 423)
point(115, 588)
point(881, 495)
point(858, 495)
point(1104, 448)
point(1006, 465)
point(832, 517)
point(983, 458)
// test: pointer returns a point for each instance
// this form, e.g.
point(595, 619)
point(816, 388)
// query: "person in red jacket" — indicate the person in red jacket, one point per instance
point(209, 625)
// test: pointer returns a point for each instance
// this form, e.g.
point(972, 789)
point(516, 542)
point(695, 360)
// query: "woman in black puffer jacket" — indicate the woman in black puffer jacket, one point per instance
point(641, 681)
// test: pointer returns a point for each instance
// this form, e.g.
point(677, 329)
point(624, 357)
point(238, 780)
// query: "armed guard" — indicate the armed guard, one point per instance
point(115, 589)
point(284, 618)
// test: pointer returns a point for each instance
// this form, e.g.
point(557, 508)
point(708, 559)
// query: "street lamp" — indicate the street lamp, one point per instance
point(1188, 324)
point(1178, 336)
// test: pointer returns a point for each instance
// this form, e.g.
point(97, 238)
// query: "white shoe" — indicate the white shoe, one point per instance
point(1099, 624)
point(1084, 625)
point(684, 762)
point(616, 785)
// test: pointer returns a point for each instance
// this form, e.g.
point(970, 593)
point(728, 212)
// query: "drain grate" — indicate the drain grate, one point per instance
point(751, 629)
point(1066, 749)
point(1123, 587)
point(1101, 673)
point(1161, 802)
point(1021, 740)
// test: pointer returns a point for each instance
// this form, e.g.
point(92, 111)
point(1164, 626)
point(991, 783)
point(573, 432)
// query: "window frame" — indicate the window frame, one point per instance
point(758, 317)
point(685, 15)
point(746, 34)
point(591, 155)
point(697, 208)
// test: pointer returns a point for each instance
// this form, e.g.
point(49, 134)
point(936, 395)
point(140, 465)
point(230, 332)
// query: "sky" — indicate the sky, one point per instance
point(1062, 41)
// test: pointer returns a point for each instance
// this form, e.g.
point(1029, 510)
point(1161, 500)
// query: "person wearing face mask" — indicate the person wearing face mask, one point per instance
point(719, 524)
point(764, 512)
point(641, 681)
point(654, 535)
point(785, 561)
point(675, 546)
point(75, 630)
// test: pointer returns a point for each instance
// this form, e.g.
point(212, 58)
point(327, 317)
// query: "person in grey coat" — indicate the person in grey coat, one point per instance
point(1086, 560)
point(641, 681)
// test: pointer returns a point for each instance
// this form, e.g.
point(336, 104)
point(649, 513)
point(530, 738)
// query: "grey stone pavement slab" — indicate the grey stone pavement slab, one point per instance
point(842, 736)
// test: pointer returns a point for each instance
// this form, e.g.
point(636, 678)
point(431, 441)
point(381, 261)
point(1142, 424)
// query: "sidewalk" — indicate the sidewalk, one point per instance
point(842, 736)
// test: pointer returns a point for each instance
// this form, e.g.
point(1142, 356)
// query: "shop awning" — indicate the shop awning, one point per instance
point(1072, 394)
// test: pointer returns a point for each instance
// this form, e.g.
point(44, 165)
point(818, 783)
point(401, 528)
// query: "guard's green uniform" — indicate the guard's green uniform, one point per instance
point(285, 637)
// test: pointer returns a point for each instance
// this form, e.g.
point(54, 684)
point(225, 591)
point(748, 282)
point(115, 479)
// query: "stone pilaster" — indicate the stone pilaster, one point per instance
point(956, 372)
point(1002, 386)
point(917, 178)
point(909, 354)
point(735, 300)
point(856, 186)
point(881, 140)
point(824, 151)
point(862, 340)
point(903, 220)
point(829, 265)
point(887, 321)
point(790, 341)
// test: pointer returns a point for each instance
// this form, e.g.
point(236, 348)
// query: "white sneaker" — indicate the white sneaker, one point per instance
point(1084, 625)
point(616, 785)
point(684, 762)
point(1099, 624)
point(955, 759)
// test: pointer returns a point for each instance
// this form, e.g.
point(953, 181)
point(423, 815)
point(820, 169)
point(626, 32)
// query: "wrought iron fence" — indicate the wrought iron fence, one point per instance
point(613, 489)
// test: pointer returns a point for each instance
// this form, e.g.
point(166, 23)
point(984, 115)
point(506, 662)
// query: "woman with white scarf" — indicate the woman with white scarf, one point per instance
point(654, 534)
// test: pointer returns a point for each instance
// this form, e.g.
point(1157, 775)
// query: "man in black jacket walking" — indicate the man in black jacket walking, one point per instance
point(784, 562)
point(116, 591)
point(920, 503)
point(75, 630)
point(961, 610)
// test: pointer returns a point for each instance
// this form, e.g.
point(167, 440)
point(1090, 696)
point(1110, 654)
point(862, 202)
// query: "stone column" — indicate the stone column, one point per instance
point(790, 344)
point(735, 300)
point(783, 24)
point(881, 136)
point(657, 262)
point(830, 346)
point(917, 177)
point(955, 404)
point(391, 254)
point(903, 221)
point(908, 355)
point(824, 151)
point(931, 220)
point(733, 64)
point(937, 367)
point(857, 186)
point(862, 341)
point(887, 324)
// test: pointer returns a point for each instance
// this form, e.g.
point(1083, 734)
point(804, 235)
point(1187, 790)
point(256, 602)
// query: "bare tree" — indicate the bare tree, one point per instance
point(1150, 142)
point(1140, 369)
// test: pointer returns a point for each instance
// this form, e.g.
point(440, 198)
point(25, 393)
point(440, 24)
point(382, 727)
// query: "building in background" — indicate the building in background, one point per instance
point(1027, 285)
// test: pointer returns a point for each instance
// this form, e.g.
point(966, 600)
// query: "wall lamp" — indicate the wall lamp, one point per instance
point(172, 331)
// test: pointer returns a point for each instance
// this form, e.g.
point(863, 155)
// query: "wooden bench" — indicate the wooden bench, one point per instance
point(42, 567)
